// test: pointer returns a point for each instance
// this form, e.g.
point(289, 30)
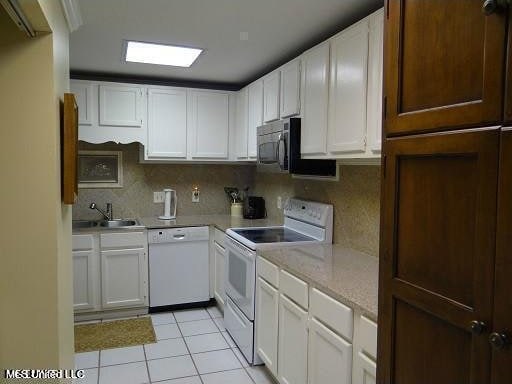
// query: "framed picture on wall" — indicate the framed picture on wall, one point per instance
point(100, 169)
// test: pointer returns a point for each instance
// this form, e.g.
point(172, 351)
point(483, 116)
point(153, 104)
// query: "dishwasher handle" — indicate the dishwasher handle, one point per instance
point(179, 237)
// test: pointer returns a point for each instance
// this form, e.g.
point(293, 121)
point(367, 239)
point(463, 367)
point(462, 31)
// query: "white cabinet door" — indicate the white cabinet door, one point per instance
point(365, 370)
point(167, 123)
point(347, 94)
point(271, 85)
point(209, 124)
point(315, 90)
point(219, 259)
point(123, 278)
point(121, 105)
point(85, 280)
point(242, 116)
point(290, 89)
point(83, 92)
point(293, 343)
point(374, 107)
point(329, 356)
point(255, 115)
point(267, 312)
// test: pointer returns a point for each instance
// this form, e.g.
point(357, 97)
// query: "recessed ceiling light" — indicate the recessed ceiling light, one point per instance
point(161, 54)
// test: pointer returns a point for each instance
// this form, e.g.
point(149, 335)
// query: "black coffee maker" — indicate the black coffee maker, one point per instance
point(254, 207)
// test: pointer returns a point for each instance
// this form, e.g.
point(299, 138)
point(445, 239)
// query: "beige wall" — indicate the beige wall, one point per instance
point(135, 199)
point(356, 200)
point(36, 328)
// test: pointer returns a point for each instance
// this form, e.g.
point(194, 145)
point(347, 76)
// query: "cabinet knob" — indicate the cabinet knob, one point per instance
point(477, 327)
point(491, 6)
point(499, 340)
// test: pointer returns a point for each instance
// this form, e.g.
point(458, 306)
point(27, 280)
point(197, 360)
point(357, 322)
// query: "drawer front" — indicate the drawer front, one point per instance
point(123, 240)
point(82, 242)
point(368, 337)
point(332, 313)
point(220, 237)
point(294, 288)
point(268, 271)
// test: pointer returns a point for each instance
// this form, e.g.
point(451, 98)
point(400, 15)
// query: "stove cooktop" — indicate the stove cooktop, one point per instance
point(272, 235)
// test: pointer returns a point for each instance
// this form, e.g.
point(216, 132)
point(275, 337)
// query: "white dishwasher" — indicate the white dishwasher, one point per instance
point(178, 266)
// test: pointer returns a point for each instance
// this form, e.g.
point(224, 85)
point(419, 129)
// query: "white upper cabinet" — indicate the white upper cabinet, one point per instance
point(375, 65)
point(121, 105)
point(84, 98)
point(347, 90)
point(242, 114)
point(290, 89)
point(209, 124)
point(315, 91)
point(167, 123)
point(271, 85)
point(255, 115)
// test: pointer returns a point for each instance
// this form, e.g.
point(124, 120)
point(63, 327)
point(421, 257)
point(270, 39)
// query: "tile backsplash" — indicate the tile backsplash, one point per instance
point(135, 198)
point(356, 196)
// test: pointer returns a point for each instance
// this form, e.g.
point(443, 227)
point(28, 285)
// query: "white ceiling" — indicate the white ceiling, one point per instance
point(277, 31)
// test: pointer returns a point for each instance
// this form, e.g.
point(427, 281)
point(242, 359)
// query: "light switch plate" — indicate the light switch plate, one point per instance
point(195, 196)
point(158, 197)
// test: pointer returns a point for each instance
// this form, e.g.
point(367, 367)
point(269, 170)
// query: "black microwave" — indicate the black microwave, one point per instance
point(279, 151)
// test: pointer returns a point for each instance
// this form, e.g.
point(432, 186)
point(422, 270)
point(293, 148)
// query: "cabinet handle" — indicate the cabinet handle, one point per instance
point(499, 340)
point(477, 327)
point(491, 6)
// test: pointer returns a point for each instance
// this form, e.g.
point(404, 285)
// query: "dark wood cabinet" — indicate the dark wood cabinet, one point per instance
point(437, 257)
point(444, 65)
point(502, 324)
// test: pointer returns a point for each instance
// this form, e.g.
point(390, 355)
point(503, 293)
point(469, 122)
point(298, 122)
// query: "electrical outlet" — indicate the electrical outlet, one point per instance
point(279, 202)
point(195, 195)
point(158, 197)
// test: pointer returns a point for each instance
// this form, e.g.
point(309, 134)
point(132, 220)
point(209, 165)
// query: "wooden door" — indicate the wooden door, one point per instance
point(508, 84)
point(167, 123)
point(437, 257)
point(293, 343)
point(123, 274)
point(267, 312)
point(315, 100)
point(444, 65)
point(329, 356)
point(346, 131)
point(502, 357)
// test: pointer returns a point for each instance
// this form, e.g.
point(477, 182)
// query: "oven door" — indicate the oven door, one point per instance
point(240, 276)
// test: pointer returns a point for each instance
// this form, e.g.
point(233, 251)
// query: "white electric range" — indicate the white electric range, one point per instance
point(305, 222)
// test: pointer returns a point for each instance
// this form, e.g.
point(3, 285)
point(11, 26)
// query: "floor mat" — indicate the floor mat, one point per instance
point(114, 334)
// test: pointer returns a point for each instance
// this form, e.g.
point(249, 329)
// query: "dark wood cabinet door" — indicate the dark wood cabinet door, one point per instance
point(508, 85)
point(502, 358)
point(437, 252)
point(443, 65)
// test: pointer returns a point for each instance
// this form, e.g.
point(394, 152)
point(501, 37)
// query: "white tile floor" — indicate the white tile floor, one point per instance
point(192, 347)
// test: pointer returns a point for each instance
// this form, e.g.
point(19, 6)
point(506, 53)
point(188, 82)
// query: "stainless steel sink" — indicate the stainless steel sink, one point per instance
point(118, 223)
point(77, 224)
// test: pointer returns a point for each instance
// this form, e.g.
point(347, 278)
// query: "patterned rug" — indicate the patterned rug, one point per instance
point(114, 334)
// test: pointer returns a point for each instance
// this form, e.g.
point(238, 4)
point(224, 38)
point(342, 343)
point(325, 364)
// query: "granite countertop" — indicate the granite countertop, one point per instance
point(343, 273)
point(222, 222)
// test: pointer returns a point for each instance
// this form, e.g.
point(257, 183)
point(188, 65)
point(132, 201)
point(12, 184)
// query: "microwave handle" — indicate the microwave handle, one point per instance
point(278, 160)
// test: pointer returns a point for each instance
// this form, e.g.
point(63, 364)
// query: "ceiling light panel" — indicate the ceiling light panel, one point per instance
point(161, 54)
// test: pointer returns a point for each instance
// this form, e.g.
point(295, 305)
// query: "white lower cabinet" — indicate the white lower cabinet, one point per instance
point(85, 280)
point(110, 271)
point(122, 278)
point(267, 314)
point(329, 356)
point(219, 260)
point(364, 370)
point(293, 343)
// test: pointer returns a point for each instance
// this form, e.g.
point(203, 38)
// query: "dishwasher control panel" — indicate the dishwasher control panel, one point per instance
point(173, 235)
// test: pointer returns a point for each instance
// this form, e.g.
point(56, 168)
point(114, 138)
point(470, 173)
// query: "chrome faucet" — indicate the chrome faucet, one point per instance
point(108, 215)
